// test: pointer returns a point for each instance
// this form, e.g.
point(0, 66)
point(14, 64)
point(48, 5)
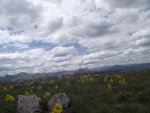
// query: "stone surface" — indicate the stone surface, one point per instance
point(62, 98)
point(28, 104)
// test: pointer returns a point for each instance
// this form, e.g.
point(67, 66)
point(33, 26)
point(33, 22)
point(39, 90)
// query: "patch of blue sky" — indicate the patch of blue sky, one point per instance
point(40, 44)
point(82, 50)
point(5, 48)
point(10, 48)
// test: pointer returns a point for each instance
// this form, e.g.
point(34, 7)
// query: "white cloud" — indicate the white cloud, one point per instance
point(63, 51)
point(126, 3)
point(108, 31)
point(142, 34)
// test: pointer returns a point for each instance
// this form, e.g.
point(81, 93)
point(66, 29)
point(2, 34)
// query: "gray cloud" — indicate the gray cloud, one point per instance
point(3, 69)
point(19, 14)
point(94, 29)
point(54, 25)
point(129, 3)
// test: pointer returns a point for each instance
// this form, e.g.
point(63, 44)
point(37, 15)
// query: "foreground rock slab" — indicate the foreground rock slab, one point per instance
point(28, 104)
point(62, 98)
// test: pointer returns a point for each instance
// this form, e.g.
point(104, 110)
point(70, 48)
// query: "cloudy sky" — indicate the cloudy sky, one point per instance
point(55, 35)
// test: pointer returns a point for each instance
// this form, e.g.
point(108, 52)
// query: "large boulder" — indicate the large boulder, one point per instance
point(62, 98)
point(28, 104)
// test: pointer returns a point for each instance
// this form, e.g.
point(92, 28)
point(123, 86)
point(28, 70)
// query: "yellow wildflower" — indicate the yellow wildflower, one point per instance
point(31, 92)
point(47, 95)
point(9, 98)
point(57, 108)
point(118, 76)
point(52, 82)
point(11, 87)
point(122, 82)
point(109, 86)
point(91, 79)
point(4, 88)
point(28, 93)
point(87, 78)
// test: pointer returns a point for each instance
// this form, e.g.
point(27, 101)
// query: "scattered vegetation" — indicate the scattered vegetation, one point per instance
point(96, 93)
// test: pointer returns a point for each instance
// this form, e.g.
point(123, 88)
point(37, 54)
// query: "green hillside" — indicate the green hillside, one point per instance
point(99, 93)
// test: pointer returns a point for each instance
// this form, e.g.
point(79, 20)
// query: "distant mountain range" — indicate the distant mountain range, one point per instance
point(79, 72)
point(123, 68)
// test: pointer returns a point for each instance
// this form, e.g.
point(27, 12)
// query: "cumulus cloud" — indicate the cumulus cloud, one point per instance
point(142, 34)
point(63, 51)
point(19, 14)
point(125, 3)
point(72, 34)
point(94, 29)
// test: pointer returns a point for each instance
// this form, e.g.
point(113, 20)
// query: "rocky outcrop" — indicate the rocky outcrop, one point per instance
point(28, 104)
point(62, 98)
point(32, 104)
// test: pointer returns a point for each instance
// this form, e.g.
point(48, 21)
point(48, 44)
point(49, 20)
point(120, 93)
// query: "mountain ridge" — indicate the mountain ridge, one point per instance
point(105, 69)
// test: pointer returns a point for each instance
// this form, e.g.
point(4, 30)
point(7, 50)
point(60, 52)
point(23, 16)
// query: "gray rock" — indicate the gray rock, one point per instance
point(28, 104)
point(62, 98)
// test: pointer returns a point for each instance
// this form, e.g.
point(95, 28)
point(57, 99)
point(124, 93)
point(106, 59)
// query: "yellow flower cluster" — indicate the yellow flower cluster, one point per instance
point(109, 87)
point(57, 108)
point(118, 76)
point(47, 95)
point(52, 82)
point(109, 81)
point(11, 87)
point(122, 82)
point(87, 78)
point(9, 98)
point(4, 88)
point(28, 93)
